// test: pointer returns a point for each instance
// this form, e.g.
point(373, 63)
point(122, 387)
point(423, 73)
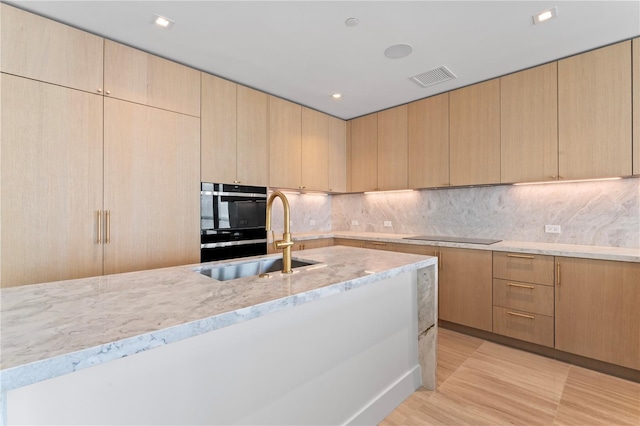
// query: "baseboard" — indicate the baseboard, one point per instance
point(385, 402)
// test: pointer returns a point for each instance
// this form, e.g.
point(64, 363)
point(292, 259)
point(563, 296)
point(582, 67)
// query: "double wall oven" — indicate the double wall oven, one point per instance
point(232, 221)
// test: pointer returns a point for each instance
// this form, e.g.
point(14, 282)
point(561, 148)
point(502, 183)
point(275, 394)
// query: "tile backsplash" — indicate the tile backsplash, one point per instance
point(605, 213)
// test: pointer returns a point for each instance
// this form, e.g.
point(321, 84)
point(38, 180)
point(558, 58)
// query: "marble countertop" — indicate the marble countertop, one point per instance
point(52, 329)
point(568, 250)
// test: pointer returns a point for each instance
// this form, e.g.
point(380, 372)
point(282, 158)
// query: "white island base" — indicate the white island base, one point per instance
point(350, 358)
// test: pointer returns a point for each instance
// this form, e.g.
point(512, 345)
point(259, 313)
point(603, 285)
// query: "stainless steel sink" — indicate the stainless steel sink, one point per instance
point(250, 268)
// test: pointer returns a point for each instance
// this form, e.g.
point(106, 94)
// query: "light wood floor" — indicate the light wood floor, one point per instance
point(483, 383)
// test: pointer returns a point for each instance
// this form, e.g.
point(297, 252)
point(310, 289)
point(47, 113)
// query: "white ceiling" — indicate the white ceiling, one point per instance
point(304, 52)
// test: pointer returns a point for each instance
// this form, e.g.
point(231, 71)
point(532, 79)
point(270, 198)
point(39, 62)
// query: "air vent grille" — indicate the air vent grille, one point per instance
point(434, 76)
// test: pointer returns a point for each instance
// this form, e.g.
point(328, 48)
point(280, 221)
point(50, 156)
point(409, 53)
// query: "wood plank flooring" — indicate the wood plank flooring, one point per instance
point(483, 383)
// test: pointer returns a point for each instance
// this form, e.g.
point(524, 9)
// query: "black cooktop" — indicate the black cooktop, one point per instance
point(484, 241)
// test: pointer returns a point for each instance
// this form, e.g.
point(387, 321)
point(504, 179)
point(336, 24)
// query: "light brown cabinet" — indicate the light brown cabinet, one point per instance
point(464, 287)
point(337, 155)
point(529, 125)
point(285, 131)
point(233, 133)
point(523, 297)
point(137, 76)
point(364, 153)
point(41, 49)
point(51, 164)
point(311, 244)
point(392, 148)
point(475, 134)
point(594, 113)
point(150, 157)
point(315, 150)
point(597, 313)
point(428, 142)
point(636, 105)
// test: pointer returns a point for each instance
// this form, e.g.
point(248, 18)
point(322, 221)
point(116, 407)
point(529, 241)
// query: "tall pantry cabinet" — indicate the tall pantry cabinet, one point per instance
point(77, 165)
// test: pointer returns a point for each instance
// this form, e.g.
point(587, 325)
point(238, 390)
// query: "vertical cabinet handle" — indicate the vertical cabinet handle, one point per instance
point(107, 238)
point(99, 241)
point(440, 260)
point(558, 273)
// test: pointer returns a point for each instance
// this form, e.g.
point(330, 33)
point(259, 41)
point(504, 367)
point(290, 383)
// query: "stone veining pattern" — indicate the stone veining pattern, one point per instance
point(605, 213)
point(57, 328)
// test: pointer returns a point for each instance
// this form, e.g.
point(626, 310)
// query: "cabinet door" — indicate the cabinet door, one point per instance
point(152, 176)
point(392, 148)
point(428, 135)
point(51, 144)
point(337, 155)
point(636, 106)
point(364, 153)
point(285, 129)
point(315, 150)
point(252, 145)
point(475, 134)
point(45, 50)
point(594, 113)
point(529, 125)
point(597, 313)
point(137, 76)
point(465, 286)
point(218, 130)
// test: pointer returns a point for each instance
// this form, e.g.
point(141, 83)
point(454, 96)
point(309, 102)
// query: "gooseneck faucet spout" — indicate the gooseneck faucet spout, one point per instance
point(285, 243)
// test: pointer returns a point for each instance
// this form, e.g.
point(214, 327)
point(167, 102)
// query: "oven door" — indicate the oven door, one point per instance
point(232, 207)
point(232, 250)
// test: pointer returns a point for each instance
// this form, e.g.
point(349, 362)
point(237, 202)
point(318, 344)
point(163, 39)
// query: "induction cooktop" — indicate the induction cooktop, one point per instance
point(484, 241)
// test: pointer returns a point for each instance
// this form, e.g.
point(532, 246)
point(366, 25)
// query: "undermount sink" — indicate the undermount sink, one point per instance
point(250, 268)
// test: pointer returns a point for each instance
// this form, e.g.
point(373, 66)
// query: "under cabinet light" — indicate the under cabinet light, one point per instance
point(545, 15)
point(163, 22)
point(565, 181)
point(388, 192)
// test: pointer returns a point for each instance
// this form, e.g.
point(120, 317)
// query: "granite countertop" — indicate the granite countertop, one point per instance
point(553, 249)
point(52, 329)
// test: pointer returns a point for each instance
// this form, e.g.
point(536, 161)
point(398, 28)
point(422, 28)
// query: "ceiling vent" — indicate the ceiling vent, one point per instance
point(434, 76)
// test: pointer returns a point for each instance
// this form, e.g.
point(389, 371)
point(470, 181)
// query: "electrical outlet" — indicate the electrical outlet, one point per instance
point(354, 222)
point(312, 222)
point(552, 229)
point(387, 224)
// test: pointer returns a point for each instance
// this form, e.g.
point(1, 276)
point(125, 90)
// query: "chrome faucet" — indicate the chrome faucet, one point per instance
point(285, 243)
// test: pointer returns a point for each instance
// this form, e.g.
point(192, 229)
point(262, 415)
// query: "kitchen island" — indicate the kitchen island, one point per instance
point(340, 341)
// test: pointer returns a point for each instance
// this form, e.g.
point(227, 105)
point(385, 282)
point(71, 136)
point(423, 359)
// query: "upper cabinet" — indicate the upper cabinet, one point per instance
point(337, 155)
point(428, 135)
point(594, 113)
point(285, 131)
point(233, 133)
point(529, 125)
point(364, 153)
point(137, 76)
point(475, 134)
point(315, 150)
point(45, 50)
point(392, 148)
point(636, 106)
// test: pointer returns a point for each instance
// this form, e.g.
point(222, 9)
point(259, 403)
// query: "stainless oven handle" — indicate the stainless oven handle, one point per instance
point(234, 194)
point(232, 243)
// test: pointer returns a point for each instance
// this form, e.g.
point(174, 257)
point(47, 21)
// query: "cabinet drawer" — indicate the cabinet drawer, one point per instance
point(379, 245)
point(347, 242)
point(526, 326)
point(530, 268)
point(526, 297)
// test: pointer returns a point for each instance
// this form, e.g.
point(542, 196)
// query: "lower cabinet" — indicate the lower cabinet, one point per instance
point(597, 314)
point(311, 244)
point(464, 292)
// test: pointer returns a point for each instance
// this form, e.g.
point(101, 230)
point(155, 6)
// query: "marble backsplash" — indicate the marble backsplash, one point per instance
point(605, 213)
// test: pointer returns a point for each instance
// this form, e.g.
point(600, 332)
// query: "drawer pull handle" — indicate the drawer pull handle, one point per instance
point(521, 315)
point(558, 272)
point(378, 244)
point(521, 286)
point(521, 256)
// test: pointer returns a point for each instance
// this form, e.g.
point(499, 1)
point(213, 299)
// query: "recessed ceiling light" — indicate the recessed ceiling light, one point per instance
point(163, 22)
point(545, 15)
point(351, 22)
point(336, 95)
point(398, 51)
